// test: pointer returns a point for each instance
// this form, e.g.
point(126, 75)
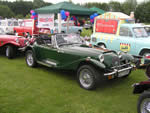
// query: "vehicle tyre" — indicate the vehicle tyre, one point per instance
point(101, 46)
point(143, 105)
point(87, 77)
point(30, 60)
point(148, 71)
point(10, 51)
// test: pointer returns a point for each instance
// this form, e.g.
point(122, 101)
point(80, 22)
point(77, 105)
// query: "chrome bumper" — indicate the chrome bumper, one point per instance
point(119, 71)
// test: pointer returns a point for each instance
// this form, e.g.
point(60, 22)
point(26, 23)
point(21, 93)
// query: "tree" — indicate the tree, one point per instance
point(38, 3)
point(28, 16)
point(142, 12)
point(5, 11)
point(103, 6)
point(115, 6)
point(21, 7)
point(19, 16)
point(129, 6)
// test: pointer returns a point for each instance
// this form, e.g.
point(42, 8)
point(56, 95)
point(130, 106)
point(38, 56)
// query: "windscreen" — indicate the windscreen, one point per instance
point(140, 32)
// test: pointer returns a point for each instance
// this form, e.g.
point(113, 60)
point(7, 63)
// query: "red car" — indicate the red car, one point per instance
point(143, 88)
point(10, 44)
point(27, 27)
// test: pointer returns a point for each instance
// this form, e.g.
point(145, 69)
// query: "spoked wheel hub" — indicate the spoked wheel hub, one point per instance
point(145, 106)
point(86, 78)
point(30, 59)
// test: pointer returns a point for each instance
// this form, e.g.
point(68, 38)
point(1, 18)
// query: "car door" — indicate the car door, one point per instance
point(126, 41)
point(48, 53)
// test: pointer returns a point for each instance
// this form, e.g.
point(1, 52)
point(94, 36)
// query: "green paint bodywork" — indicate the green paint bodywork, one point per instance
point(70, 57)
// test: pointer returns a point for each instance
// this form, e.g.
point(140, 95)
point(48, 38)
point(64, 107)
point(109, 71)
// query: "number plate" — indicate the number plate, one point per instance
point(123, 73)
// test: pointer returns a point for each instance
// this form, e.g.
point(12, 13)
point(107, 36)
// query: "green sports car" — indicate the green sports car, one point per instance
point(69, 52)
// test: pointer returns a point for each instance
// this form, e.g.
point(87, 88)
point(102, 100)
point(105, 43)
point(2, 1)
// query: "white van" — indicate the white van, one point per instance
point(8, 24)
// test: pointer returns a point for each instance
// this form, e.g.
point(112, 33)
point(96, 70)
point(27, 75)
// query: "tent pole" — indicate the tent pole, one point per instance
point(59, 23)
point(68, 23)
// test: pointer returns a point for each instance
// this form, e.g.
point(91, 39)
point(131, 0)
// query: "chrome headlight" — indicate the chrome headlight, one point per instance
point(119, 54)
point(17, 40)
point(101, 58)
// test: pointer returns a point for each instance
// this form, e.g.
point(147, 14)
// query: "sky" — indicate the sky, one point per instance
point(81, 1)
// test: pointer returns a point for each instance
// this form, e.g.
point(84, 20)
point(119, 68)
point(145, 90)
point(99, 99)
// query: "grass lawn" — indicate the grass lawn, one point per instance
point(44, 90)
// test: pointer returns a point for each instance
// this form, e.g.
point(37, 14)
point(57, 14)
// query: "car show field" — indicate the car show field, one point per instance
point(45, 90)
point(67, 58)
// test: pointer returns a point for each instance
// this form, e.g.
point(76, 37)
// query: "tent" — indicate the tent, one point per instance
point(67, 6)
point(73, 9)
point(99, 11)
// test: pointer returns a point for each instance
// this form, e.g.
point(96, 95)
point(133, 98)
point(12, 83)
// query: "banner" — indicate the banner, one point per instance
point(46, 21)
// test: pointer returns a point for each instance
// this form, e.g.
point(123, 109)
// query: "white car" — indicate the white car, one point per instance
point(7, 25)
point(72, 27)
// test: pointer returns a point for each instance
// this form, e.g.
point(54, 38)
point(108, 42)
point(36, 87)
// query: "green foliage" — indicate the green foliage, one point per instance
point(20, 7)
point(103, 6)
point(45, 90)
point(115, 6)
point(28, 16)
point(129, 6)
point(87, 32)
point(6, 12)
point(19, 16)
point(142, 12)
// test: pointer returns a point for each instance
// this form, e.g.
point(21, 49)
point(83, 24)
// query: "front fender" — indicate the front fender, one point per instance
point(97, 63)
point(31, 48)
point(12, 43)
point(76, 64)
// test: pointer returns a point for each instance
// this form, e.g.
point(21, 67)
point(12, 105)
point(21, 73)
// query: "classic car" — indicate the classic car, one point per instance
point(8, 24)
point(68, 52)
point(26, 28)
point(120, 34)
point(10, 44)
point(72, 27)
point(143, 88)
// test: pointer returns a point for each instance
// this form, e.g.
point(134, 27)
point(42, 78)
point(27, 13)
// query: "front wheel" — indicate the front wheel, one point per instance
point(87, 77)
point(10, 52)
point(144, 103)
point(30, 60)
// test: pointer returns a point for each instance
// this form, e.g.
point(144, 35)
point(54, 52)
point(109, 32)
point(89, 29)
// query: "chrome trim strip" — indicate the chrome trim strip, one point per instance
point(124, 69)
point(118, 71)
point(121, 65)
point(42, 63)
point(111, 73)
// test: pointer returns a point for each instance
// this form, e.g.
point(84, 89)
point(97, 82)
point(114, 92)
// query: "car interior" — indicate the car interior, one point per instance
point(44, 39)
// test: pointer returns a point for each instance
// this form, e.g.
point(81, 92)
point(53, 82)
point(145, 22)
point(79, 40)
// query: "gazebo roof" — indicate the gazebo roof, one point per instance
point(98, 10)
point(67, 6)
